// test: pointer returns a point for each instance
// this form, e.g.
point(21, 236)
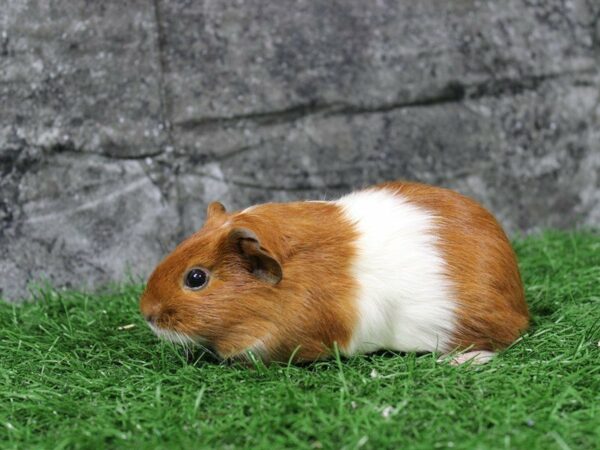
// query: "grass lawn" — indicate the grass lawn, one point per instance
point(70, 377)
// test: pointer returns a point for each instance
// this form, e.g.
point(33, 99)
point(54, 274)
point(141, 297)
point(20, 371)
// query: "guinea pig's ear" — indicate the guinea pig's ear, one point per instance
point(216, 214)
point(215, 209)
point(263, 263)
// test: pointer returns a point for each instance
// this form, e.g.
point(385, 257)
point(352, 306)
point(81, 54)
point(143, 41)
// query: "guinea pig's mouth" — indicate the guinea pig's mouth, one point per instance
point(173, 336)
point(185, 340)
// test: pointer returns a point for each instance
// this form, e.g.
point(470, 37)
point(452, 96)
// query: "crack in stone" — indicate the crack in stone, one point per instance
point(155, 183)
point(166, 112)
point(72, 149)
point(262, 118)
point(160, 39)
point(452, 92)
point(135, 184)
point(210, 157)
point(297, 188)
point(236, 152)
point(511, 86)
point(595, 30)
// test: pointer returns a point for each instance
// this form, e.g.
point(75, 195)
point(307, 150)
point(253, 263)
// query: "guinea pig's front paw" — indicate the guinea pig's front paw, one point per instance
point(473, 357)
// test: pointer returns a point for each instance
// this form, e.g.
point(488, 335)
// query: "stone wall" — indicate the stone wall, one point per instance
point(119, 121)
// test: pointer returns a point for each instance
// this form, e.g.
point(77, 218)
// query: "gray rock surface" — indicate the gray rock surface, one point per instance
point(120, 121)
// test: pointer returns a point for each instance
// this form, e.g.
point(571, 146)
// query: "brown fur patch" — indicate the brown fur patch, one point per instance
point(481, 263)
point(310, 308)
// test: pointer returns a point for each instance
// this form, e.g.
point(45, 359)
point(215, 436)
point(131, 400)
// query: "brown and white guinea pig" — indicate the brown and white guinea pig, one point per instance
point(399, 266)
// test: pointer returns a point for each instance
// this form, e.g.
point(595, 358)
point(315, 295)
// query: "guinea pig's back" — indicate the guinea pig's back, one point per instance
point(435, 272)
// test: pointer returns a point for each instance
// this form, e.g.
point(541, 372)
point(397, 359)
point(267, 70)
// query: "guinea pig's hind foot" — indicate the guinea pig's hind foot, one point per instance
point(472, 357)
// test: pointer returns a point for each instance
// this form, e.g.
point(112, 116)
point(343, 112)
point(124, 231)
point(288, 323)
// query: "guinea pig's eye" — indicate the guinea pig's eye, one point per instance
point(196, 279)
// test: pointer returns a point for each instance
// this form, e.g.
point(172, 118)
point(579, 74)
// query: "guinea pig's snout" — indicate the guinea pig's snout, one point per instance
point(149, 308)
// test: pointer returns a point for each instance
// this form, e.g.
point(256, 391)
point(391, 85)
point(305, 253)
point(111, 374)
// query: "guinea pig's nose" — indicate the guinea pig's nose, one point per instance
point(151, 318)
point(149, 308)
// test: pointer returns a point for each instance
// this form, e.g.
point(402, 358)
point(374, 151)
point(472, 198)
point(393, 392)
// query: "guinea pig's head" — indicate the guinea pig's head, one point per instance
point(217, 288)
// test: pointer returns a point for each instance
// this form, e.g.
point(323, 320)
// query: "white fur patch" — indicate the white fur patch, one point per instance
point(475, 357)
point(172, 336)
point(185, 340)
point(260, 348)
point(404, 299)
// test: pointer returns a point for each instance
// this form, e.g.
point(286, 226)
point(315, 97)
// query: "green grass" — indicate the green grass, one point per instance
point(70, 378)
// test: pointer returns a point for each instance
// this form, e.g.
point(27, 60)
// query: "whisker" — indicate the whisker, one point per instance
point(184, 340)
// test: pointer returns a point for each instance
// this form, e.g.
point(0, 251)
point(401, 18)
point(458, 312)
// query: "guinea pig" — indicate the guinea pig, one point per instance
point(400, 266)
